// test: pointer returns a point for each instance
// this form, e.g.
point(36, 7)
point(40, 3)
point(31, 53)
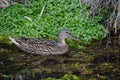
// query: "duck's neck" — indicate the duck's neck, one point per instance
point(61, 42)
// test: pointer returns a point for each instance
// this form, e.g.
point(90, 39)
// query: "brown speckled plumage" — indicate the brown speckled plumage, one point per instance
point(44, 46)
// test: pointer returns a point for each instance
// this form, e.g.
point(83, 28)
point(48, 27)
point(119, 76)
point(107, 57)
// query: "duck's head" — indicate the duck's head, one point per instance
point(63, 34)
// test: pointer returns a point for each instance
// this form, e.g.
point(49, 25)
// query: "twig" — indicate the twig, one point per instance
point(39, 16)
point(28, 18)
point(115, 25)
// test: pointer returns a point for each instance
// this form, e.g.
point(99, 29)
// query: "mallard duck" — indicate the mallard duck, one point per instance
point(44, 46)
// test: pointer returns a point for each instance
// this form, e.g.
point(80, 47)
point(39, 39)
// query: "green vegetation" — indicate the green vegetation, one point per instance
point(74, 77)
point(65, 77)
point(22, 21)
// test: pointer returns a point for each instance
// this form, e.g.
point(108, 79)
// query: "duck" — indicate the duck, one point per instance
point(41, 46)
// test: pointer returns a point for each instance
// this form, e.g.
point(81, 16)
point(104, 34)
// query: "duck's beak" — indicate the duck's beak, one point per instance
point(74, 38)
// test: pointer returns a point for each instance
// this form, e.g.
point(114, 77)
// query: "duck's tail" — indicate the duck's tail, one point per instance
point(14, 41)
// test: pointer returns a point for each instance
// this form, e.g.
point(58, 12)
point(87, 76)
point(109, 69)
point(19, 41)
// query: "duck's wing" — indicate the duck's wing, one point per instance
point(38, 46)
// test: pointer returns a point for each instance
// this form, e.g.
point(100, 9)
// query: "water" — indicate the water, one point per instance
point(92, 63)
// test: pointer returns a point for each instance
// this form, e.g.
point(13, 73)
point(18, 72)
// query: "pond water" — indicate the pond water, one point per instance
point(94, 63)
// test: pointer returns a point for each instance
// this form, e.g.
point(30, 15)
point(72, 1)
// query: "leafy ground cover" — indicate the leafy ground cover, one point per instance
point(25, 21)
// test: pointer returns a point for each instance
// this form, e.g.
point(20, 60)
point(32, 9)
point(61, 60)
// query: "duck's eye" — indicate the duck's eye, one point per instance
point(68, 32)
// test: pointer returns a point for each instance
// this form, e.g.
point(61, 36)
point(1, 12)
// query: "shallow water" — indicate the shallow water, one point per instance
point(92, 63)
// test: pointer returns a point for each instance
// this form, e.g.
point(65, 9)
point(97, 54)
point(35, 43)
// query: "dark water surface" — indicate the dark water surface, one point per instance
point(94, 63)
